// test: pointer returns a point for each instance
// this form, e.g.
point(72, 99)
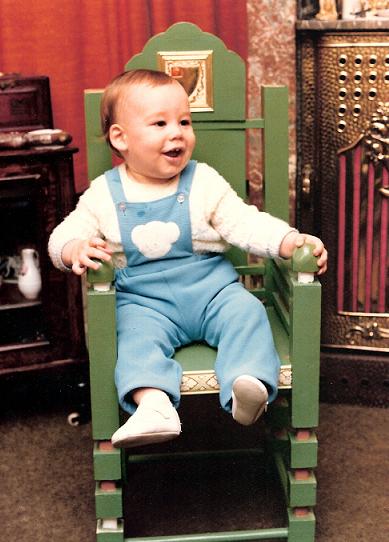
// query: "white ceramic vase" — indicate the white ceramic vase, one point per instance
point(349, 8)
point(29, 279)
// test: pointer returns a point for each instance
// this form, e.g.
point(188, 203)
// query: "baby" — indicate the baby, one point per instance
point(165, 221)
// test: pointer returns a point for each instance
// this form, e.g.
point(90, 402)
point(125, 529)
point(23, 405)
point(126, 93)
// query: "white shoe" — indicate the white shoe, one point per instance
point(249, 399)
point(148, 425)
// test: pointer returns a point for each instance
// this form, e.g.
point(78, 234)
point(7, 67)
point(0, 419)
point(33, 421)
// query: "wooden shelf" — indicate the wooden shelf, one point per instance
point(23, 345)
point(11, 298)
point(356, 25)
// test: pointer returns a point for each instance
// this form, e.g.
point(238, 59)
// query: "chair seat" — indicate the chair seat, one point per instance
point(202, 378)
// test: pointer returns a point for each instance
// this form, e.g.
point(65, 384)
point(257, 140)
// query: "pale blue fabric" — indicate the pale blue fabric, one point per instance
point(179, 298)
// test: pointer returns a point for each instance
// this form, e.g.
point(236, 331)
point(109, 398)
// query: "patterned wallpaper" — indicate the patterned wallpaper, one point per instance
point(271, 60)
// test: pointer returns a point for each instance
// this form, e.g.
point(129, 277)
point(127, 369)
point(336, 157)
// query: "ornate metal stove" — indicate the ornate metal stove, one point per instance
point(343, 183)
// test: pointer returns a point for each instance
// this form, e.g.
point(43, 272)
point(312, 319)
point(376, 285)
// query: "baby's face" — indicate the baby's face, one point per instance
point(154, 132)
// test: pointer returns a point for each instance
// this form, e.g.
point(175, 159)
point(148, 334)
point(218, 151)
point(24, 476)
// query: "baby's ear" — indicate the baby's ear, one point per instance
point(118, 138)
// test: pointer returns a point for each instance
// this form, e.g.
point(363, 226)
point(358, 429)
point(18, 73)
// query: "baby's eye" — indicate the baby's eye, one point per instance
point(186, 122)
point(160, 123)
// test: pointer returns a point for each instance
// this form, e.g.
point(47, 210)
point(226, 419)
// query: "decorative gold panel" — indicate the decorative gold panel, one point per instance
point(195, 382)
point(344, 84)
point(193, 70)
point(354, 77)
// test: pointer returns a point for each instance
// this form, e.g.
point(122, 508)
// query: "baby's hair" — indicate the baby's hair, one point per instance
point(114, 90)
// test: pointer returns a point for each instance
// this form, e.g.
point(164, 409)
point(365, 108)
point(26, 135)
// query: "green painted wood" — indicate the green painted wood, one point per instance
point(101, 316)
point(202, 357)
point(277, 300)
point(303, 259)
point(228, 71)
point(298, 454)
point(303, 453)
point(247, 124)
point(253, 270)
point(108, 535)
point(282, 473)
point(225, 536)
point(282, 277)
point(301, 529)
point(221, 142)
point(196, 357)
point(302, 492)
point(276, 151)
point(281, 273)
point(226, 152)
point(108, 504)
point(298, 493)
point(98, 153)
point(105, 274)
point(305, 353)
point(281, 339)
point(287, 270)
point(107, 465)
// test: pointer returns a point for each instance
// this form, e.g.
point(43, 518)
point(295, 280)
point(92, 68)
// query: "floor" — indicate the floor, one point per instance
point(47, 481)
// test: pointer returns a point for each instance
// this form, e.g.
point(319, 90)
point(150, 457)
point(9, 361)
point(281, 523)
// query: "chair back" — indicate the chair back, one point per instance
point(215, 79)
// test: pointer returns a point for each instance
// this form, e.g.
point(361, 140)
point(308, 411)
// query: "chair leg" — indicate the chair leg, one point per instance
point(108, 492)
point(109, 530)
point(301, 525)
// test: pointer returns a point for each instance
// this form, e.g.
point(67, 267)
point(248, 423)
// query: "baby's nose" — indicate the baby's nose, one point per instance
point(175, 131)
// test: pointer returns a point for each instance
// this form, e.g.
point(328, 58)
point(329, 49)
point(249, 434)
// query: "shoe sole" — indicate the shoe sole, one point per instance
point(250, 401)
point(144, 439)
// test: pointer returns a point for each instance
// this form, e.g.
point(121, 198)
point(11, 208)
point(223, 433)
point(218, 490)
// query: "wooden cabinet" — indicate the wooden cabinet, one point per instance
point(342, 195)
point(36, 192)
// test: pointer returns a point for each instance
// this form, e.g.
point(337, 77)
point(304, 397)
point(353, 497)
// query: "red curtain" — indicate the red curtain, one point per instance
point(84, 43)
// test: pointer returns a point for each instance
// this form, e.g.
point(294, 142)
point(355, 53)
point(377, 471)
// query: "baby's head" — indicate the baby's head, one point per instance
point(146, 120)
point(118, 88)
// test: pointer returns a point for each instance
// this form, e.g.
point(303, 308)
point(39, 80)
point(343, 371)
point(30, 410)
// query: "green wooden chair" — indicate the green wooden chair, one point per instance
point(218, 103)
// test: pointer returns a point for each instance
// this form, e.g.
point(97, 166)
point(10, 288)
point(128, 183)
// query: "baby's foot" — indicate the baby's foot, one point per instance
point(148, 425)
point(249, 399)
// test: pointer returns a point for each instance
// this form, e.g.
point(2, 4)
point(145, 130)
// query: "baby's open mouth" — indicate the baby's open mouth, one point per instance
point(173, 153)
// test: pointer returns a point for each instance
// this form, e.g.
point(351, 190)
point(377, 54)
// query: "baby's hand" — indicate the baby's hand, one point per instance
point(294, 240)
point(79, 253)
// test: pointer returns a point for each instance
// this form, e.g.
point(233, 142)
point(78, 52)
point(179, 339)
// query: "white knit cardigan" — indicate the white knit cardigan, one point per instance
point(219, 219)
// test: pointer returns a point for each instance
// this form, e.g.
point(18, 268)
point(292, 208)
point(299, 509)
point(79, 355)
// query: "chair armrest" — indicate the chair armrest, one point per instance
point(297, 301)
point(304, 263)
point(102, 347)
point(101, 278)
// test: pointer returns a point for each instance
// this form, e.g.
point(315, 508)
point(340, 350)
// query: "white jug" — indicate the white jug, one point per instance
point(29, 279)
point(350, 8)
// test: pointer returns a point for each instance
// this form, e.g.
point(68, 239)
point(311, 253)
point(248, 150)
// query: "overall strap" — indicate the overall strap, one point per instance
point(115, 185)
point(186, 177)
point(116, 188)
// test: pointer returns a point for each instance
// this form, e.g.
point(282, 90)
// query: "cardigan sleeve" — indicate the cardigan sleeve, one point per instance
point(243, 225)
point(82, 223)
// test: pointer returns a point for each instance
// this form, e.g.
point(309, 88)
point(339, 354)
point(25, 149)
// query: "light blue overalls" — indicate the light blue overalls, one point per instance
point(174, 299)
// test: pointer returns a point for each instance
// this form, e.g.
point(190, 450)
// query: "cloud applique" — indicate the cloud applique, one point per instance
point(155, 239)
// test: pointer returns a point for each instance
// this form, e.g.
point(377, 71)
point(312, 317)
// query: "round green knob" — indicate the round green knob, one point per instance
point(303, 260)
point(105, 273)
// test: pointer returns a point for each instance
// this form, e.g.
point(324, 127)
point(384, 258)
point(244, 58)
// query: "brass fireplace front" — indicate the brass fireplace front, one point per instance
point(343, 181)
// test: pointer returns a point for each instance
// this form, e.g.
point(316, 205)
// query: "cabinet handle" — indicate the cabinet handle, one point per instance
point(306, 183)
